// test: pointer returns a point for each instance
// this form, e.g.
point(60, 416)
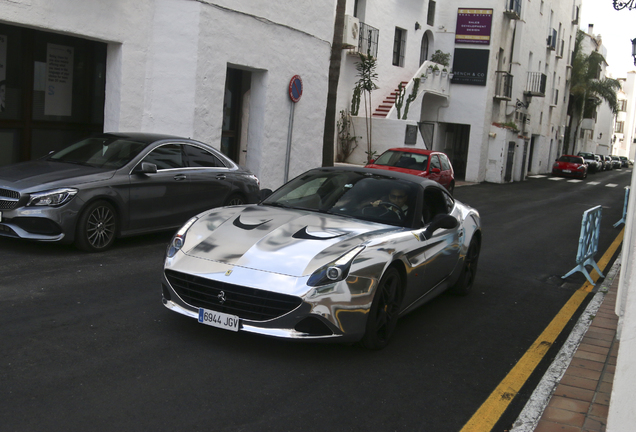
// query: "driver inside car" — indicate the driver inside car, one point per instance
point(398, 197)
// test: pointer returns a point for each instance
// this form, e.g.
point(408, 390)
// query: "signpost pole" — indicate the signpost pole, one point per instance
point(289, 141)
point(295, 92)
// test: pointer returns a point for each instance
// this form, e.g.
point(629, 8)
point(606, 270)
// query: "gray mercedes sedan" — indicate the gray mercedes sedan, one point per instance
point(115, 185)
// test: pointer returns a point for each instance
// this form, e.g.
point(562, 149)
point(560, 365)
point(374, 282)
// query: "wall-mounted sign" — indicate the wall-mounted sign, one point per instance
point(473, 26)
point(470, 66)
point(58, 95)
point(295, 88)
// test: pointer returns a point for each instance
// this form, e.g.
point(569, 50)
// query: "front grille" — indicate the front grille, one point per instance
point(8, 199)
point(247, 303)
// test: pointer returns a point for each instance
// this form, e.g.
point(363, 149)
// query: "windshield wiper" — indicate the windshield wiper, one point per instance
point(277, 204)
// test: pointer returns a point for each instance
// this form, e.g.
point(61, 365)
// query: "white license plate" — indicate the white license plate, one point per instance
point(218, 319)
point(567, 171)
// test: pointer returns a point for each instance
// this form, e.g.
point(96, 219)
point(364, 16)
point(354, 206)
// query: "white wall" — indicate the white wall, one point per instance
point(167, 62)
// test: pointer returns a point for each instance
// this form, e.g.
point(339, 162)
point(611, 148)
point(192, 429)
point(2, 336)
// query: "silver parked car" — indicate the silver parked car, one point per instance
point(115, 185)
point(335, 254)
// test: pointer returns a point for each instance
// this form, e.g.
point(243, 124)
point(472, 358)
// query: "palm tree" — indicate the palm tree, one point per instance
point(332, 90)
point(587, 89)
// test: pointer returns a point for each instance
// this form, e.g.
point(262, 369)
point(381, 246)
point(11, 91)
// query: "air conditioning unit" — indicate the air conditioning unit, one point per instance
point(351, 34)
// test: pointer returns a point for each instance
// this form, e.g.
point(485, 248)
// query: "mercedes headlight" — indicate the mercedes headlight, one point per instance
point(52, 198)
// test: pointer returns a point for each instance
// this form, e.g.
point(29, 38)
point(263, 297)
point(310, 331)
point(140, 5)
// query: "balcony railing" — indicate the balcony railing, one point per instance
point(535, 85)
point(503, 85)
point(368, 42)
point(513, 9)
point(552, 40)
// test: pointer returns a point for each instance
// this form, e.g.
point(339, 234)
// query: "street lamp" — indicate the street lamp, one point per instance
point(622, 4)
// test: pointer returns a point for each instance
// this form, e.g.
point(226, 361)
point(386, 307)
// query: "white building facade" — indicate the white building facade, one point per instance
point(214, 70)
point(501, 110)
point(595, 133)
point(623, 140)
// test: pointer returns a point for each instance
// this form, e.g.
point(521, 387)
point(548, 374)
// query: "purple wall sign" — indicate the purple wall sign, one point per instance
point(473, 26)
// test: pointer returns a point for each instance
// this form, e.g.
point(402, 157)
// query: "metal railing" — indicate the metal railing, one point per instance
point(368, 42)
point(535, 85)
point(503, 85)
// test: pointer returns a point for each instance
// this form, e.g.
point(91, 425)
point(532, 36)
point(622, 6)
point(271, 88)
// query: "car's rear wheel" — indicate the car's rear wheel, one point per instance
point(96, 227)
point(467, 277)
point(384, 311)
point(234, 199)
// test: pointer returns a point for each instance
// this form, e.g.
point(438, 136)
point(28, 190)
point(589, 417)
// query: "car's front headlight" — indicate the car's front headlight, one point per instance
point(178, 240)
point(336, 270)
point(52, 198)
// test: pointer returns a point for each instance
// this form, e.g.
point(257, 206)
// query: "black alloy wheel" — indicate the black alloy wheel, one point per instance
point(384, 312)
point(235, 199)
point(97, 227)
point(467, 278)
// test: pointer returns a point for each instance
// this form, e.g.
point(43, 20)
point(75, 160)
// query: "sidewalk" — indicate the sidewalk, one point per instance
point(578, 398)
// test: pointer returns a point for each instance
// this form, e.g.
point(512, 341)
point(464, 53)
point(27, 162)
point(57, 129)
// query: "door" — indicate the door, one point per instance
point(435, 169)
point(160, 199)
point(509, 161)
point(210, 181)
point(437, 257)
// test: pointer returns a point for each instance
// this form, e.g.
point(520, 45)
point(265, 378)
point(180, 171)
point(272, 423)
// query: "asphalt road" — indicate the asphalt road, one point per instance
point(87, 345)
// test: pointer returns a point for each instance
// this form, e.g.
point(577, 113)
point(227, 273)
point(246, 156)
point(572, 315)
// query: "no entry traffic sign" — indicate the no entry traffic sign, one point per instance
point(295, 88)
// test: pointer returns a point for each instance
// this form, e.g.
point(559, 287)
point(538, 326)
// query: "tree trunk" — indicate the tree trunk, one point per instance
point(332, 91)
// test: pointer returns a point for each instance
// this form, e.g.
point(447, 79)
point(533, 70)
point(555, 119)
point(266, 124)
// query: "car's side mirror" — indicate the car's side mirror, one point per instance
point(146, 168)
point(445, 221)
point(435, 170)
point(372, 161)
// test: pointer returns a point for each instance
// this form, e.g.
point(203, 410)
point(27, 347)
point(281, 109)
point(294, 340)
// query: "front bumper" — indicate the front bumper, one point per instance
point(331, 312)
point(51, 224)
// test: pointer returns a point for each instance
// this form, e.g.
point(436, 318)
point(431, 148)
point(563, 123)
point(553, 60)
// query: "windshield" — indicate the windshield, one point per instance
point(402, 159)
point(351, 194)
point(102, 152)
point(571, 159)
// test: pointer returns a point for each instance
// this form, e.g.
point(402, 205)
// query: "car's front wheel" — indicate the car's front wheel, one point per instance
point(384, 311)
point(96, 227)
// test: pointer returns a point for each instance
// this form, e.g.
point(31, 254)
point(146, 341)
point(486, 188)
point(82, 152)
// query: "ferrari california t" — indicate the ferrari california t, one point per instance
point(335, 254)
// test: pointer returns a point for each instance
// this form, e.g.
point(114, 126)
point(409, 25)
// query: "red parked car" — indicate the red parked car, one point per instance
point(570, 166)
point(430, 164)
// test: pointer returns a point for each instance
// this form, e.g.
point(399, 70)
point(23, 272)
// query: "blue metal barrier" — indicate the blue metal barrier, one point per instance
point(588, 243)
point(622, 221)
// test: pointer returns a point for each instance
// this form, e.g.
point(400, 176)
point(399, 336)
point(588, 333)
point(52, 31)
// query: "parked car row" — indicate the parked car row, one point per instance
point(596, 163)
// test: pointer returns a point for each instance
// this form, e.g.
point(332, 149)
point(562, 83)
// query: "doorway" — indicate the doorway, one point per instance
point(456, 147)
point(235, 109)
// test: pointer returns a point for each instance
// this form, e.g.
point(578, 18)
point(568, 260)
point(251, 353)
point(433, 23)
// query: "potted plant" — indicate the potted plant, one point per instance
point(436, 70)
point(441, 58)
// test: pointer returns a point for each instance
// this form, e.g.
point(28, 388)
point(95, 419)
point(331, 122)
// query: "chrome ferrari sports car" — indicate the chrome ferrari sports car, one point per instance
point(335, 254)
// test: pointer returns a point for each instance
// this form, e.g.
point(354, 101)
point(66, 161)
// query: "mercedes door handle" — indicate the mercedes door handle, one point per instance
point(180, 177)
point(221, 176)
